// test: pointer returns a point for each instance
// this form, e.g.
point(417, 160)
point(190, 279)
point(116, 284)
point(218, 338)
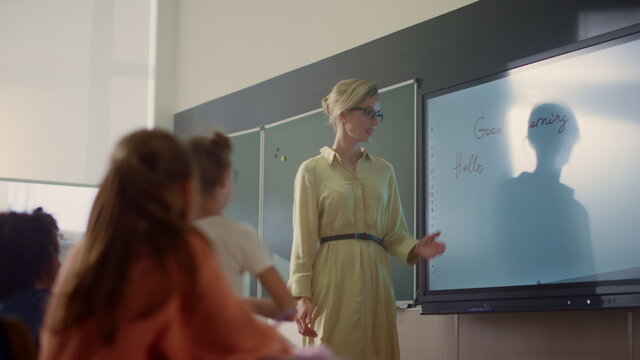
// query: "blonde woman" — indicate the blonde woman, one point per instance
point(346, 217)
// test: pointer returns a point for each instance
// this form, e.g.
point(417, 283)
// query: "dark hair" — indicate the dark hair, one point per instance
point(140, 207)
point(28, 249)
point(211, 157)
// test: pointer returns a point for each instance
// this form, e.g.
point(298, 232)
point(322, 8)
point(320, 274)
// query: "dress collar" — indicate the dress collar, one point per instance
point(330, 155)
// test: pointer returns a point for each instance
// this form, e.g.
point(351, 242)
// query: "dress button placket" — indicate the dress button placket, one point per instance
point(359, 205)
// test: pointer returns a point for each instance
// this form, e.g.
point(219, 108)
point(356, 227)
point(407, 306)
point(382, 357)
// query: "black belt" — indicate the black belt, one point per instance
point(360, 236)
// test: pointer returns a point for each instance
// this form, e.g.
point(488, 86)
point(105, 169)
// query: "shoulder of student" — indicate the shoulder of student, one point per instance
point(228, 228)
point(240, 228)
point(245, 229)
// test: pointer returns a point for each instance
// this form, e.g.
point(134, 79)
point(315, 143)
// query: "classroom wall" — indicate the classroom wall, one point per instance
point(470, 42)
point(76, 75)
point(277, 36)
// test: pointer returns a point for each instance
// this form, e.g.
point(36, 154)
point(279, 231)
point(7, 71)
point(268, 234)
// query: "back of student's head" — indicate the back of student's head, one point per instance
point(140, 207)
point(212, 159)
point(28, 250)
point(145, 180)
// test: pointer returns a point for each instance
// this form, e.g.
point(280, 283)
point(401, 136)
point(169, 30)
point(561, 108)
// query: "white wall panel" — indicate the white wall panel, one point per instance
point(60, 61)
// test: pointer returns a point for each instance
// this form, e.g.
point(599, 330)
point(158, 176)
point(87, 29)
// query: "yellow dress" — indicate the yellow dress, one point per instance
point(349, 281)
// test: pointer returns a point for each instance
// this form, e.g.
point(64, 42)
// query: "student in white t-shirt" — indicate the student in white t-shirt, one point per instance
point(237, 244)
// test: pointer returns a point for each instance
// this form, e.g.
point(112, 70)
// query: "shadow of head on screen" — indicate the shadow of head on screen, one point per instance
point(543, 231)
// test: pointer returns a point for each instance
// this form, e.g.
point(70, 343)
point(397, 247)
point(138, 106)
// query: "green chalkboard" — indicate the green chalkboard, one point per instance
point(244, 205)
point(288, 144)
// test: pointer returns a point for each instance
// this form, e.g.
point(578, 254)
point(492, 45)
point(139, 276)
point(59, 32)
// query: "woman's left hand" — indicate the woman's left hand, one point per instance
point(429, 247)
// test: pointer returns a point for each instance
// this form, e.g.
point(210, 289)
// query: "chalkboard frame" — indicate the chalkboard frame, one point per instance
point(610, 294)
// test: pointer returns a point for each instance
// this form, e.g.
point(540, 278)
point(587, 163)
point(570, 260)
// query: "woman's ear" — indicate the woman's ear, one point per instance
point(342, 117)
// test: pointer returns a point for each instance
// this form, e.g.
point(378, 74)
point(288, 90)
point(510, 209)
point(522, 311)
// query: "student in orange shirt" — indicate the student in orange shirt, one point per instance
point(143, 284)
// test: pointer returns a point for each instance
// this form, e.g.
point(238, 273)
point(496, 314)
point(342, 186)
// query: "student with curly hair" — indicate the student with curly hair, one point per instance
point(29, 263)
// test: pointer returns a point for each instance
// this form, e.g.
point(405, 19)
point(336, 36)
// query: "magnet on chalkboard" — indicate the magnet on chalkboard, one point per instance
point(283, 158)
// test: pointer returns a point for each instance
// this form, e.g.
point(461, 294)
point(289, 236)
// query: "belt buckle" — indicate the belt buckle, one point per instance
point(357, 236)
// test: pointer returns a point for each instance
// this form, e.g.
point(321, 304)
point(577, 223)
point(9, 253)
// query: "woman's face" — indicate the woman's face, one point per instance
point(360, 122)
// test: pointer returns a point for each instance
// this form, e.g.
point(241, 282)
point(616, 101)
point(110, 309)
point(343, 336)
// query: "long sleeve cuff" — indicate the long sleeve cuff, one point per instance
point(403, 250)
point(300, 286)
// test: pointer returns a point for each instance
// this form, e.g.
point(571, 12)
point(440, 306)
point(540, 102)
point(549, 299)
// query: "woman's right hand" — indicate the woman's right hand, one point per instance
point(304, 317)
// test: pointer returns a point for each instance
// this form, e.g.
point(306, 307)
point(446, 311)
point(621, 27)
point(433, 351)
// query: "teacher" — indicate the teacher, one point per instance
point(347, 216)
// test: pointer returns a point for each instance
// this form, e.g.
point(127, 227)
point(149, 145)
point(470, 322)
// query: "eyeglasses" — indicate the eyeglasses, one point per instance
point(371, 113)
